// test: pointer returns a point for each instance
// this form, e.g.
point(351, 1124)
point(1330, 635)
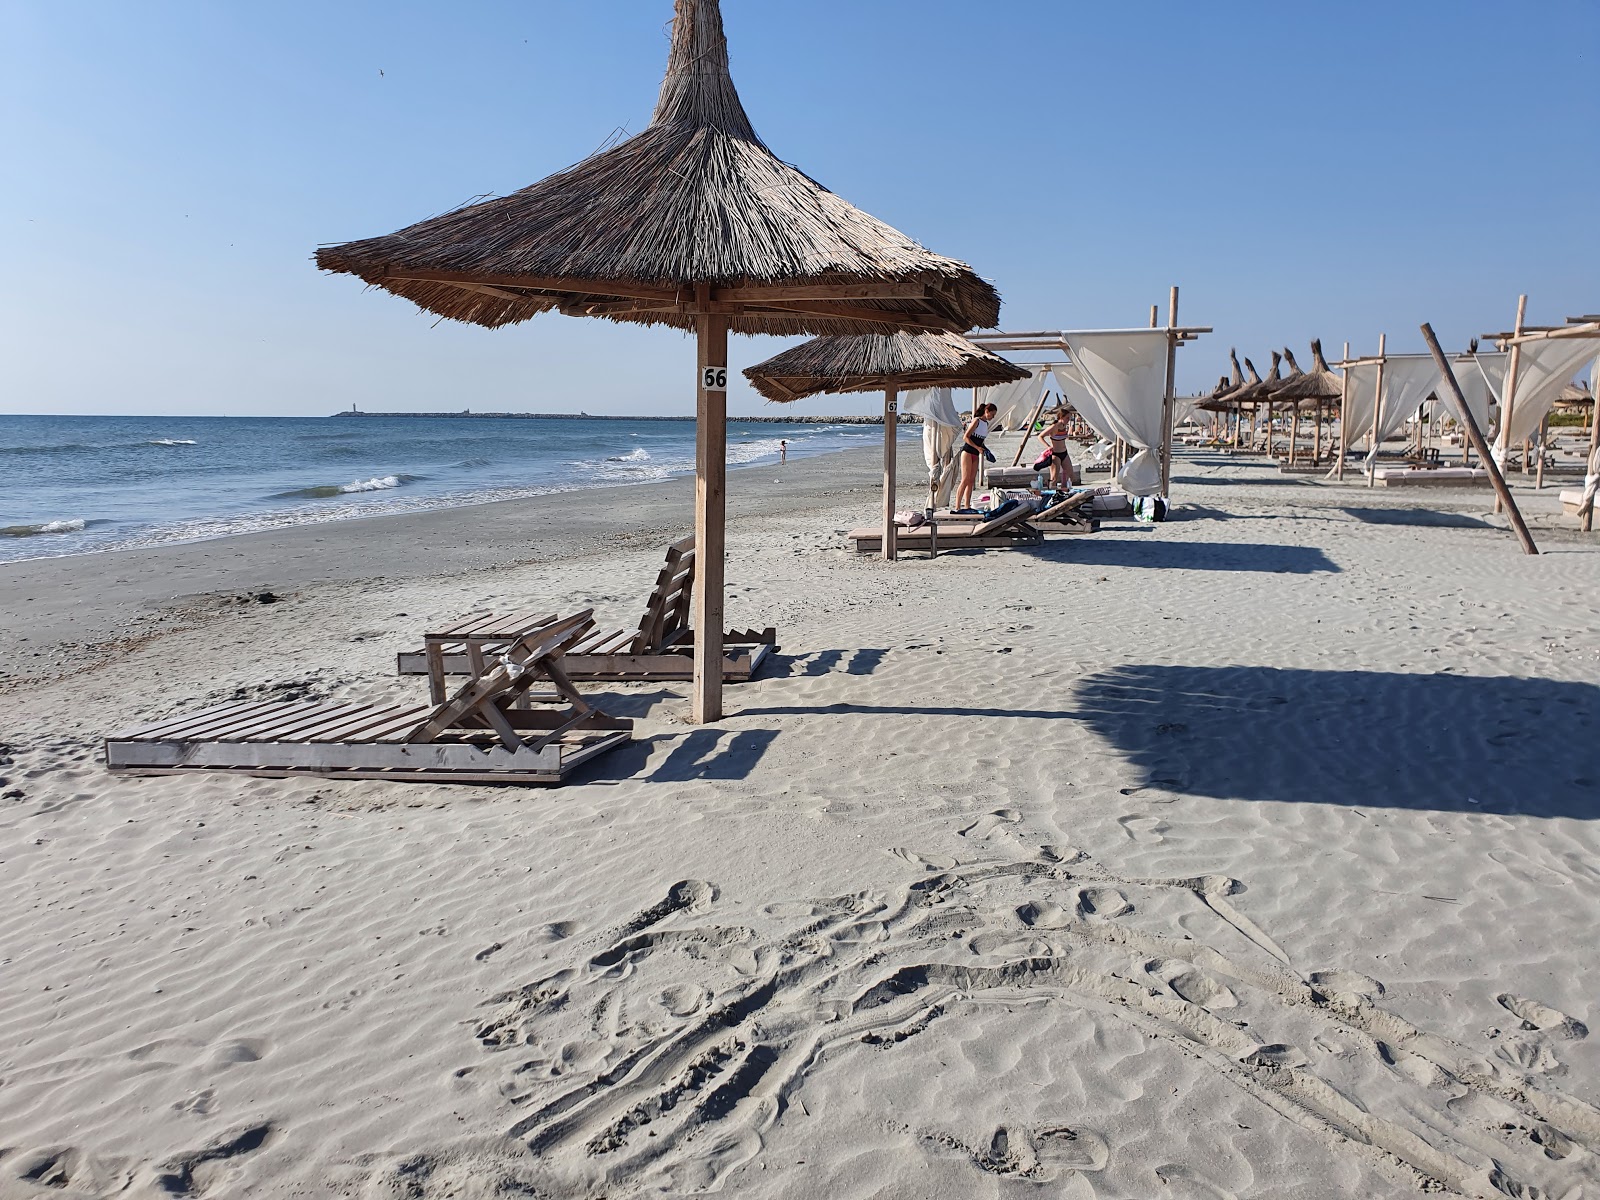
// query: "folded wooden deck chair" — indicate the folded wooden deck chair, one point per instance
point(1072, 515)
point(661, 648)
point(1005, 532)
point(481, 734)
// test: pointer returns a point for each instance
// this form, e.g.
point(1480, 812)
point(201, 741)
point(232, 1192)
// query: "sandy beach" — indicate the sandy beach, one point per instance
point(1248, 855)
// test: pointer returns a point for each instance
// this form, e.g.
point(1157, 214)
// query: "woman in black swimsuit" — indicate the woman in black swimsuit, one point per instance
point(1054, 437)
point(971, 446)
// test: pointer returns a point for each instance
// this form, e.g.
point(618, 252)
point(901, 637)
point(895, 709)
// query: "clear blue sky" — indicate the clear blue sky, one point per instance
point(1299, 169)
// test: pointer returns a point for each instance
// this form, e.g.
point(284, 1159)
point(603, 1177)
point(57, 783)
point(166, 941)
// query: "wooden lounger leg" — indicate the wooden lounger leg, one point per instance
point(436, 692)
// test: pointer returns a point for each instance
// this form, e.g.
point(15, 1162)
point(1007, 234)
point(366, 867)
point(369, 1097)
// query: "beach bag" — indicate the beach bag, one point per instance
point(1149, 509)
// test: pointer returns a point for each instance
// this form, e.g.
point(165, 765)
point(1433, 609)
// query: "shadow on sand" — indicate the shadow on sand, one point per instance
point(1147, 550)
point(714, 754)
point(1359, 738)
point(822, 662)
point(1416, 516)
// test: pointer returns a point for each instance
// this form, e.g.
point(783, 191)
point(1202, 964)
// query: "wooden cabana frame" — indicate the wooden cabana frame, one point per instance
point(1576, 327)
point(890, 363)
point(1053, 342)
point(692, 223)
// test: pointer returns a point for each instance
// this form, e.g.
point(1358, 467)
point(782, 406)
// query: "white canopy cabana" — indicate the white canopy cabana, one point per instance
point(1382, 393)
point(1119, 380)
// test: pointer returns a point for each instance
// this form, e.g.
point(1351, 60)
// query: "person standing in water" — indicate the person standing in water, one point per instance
point(1054, 437)
point(972, 445)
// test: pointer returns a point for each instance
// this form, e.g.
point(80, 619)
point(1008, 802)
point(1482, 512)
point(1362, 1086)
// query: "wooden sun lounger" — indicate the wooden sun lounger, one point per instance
point(662, 648)
point(484, 733)
point(1065, 517)
point(1002, 533)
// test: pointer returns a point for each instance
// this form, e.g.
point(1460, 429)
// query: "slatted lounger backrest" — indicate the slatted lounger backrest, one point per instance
point(666, 612)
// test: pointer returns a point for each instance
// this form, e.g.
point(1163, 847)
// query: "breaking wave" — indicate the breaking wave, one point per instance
point(324, 491)
point(21, 531)
point(173, 442)
point(640, 454)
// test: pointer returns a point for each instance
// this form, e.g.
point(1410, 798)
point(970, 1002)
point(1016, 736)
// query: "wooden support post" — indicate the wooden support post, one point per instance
point(1544, 433)
point(1168, 397)
point(1377, 411)
point(1476, 434)
point(891, 424)
point(710, 514)
point(1592, 463)
point(1294, 431)
point(1509, 398)
point(1027, 434)
point(1344, 419)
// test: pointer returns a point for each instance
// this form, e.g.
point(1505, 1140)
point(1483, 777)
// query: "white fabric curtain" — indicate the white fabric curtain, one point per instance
point(1406, 384)
point(932, 404)
point(1543, 369)
point(1126, 373)
point(1360, 391)
point(1469, 373)
point(1069, 381)
point(1016, 400)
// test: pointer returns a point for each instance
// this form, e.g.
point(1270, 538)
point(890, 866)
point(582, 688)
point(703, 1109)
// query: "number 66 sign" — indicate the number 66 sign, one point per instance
point(714, 379)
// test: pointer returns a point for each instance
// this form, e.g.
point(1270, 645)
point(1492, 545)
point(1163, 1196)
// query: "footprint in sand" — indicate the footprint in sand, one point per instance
point(986, 825)
point(1192, 984)
point(1531, 1053)
point(1103, 902)
point(928, 862)
point(683, 999)
point(1071, 1148)
point(1524, 868)
point(1542, 1017)
point(1276, 1054)
point(1149, 830)
point(199, 1172)
point(1345, 985)
point(1043, 914)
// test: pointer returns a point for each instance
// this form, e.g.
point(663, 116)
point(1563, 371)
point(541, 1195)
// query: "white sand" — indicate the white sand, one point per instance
point(1251, 855)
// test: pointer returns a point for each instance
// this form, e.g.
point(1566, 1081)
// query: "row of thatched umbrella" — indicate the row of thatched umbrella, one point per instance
point(1299, 390)
point(693, 223)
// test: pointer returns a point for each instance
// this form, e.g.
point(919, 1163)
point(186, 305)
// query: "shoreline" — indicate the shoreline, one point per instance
point(129, 588)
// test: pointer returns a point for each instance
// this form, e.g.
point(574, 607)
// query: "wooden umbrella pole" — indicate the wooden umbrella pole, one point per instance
point(1377, 411)
point(1509, 399)
point(1168, 397)
point(710, 513)
point(1294, 431)
point(1344, 420)
point(891, 425)
point(1476, 435)
point(1593, 461)
point(1544, 433)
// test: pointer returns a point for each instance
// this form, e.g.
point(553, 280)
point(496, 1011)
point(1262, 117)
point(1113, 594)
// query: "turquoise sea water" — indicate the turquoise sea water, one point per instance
point(72, 485)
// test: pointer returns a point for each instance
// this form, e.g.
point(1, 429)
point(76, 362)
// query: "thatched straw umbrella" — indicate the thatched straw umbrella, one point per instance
point(1313, 388)
point(890, 362)
point(694, 223)
point(1246, 395)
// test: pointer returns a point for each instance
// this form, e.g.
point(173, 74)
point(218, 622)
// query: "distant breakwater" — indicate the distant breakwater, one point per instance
point(905, 418)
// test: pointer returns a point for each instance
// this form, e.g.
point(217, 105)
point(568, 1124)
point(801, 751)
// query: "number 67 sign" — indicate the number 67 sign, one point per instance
point(714, 379)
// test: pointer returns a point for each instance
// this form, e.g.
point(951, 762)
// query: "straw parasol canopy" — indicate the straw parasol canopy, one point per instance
point(1318, 385)
point(1259, 390)
point(695, 200)
point(694, 223)
point(873, 362)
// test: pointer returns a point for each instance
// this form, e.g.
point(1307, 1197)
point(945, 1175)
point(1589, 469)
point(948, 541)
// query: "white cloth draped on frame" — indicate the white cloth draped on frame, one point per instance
point(941, 426)
point(1015, 400)
point(1407, 381)
point(1543, 369)
point(1469, 373)
point(1118, 382)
